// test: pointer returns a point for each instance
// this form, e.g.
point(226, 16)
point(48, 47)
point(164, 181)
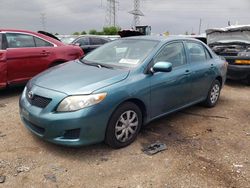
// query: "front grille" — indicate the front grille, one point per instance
point(72, 134)
point(38, 101)
point(34, 127)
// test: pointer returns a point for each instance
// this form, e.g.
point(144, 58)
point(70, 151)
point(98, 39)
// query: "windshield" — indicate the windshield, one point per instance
point(122, 53)
point(228, 37)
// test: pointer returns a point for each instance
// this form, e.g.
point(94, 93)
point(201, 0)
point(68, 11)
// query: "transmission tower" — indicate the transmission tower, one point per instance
point(111, 13)
point(136, 12)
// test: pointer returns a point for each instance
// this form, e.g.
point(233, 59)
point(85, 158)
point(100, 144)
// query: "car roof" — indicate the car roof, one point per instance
point(17, 30)
point(161, 38)
point(34, 33)
point(93, 36)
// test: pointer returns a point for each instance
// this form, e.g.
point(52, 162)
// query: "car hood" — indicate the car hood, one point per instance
point(74, 78)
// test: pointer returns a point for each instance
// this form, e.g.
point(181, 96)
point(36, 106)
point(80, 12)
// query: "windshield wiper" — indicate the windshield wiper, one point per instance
point(105, 66)
point(99, 65)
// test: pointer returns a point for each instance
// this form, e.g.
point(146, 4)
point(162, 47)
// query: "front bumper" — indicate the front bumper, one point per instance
point(238, 72)
point(82, 127)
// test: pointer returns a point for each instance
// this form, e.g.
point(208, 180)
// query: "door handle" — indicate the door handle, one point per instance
point(44, 52)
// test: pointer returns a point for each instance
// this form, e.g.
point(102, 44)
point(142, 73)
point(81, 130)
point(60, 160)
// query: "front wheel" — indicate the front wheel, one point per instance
point(213, 94)
point(124, 125)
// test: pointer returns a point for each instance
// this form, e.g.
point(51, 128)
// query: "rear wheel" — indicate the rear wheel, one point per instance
point(124, 125)
point(213, 95)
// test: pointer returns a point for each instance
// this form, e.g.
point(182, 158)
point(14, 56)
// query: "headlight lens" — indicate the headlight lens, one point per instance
point(78, 102)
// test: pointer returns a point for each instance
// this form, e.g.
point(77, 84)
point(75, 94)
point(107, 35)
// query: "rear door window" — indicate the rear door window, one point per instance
point(19, 40)
point(42, 43)
point(196, 52)
point(208, 55)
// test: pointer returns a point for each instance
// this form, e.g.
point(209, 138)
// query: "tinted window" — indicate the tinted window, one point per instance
point(173, 53)
point(196, 52)
point(18, 40)
point(41, 43)
point(97, 41)
point(82, 41)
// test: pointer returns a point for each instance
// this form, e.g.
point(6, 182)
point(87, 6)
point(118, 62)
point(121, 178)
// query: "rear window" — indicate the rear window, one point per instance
point(41, 43)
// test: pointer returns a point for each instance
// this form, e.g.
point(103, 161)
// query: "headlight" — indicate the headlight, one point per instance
point(78, 102)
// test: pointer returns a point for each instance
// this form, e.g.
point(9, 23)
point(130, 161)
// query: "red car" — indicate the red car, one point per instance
point(23, 54)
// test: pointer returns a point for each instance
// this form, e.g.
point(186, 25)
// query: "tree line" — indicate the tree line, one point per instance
point(105, 31)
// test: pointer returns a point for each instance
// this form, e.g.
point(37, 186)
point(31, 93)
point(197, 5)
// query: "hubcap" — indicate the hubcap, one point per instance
point(126, 126)
point(214, 93)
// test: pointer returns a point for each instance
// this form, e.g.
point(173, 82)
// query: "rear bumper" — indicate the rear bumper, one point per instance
point(238, 72)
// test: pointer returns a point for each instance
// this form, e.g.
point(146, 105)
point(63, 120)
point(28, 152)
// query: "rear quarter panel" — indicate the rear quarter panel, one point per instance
point(66, 53)
point(221, 68)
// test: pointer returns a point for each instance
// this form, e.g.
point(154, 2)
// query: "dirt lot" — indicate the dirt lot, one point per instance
point(205, 148)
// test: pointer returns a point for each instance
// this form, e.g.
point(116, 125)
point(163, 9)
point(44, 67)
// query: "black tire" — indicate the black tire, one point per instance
point(210, 101)
point(115, 123)
point(248, 80)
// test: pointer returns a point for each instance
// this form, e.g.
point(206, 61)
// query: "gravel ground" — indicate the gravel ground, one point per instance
point(205, 148)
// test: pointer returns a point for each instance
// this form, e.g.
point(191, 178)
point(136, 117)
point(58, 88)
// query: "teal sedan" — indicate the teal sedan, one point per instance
point(112, 92)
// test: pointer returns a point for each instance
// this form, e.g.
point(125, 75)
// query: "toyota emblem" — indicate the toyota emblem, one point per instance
point(30, 94)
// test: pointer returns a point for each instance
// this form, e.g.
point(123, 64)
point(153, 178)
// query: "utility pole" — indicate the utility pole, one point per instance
point(200, 26)
point(43, 21)
point(136, 12)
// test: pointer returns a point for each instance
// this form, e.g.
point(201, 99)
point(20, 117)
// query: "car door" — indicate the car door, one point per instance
point(202, 68)
point(24, 58)
point(3, 66)
point(170, 91)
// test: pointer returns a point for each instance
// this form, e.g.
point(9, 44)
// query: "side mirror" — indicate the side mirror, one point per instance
point(161, 67)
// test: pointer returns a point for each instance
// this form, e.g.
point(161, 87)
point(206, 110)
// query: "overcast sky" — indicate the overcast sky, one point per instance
point(175, 16)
